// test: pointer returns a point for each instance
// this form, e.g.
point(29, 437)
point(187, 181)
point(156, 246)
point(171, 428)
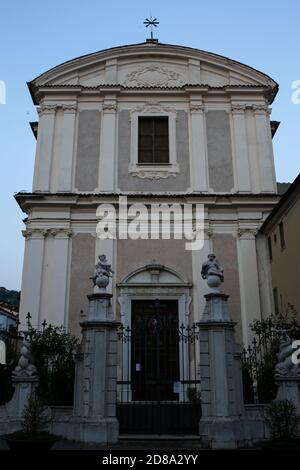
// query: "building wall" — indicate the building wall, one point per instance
point(225, 248)
point(285, 264)
point(222, 135)
point(132, 254)
point(81, 268)
point(218, 151)
point(220, 143)
point(59, 261)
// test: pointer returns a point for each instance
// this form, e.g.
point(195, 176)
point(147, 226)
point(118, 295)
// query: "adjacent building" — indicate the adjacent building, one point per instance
point(9, 317)
point(282, 229)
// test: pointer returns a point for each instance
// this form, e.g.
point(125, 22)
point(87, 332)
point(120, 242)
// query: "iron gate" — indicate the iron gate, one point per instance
point(158, 386)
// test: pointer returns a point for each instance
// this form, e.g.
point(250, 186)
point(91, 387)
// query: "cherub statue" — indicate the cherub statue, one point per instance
point(102, 272)
point(285, 365)
point(213, 272)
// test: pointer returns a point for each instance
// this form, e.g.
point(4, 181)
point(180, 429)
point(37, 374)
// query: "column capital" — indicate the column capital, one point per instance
point(237, 108)
point(26, 233)
point(47, 109)
point(261, 109)
point(60, 232)
point(208, 232)
point(34, 233)
point(109, 108)
point(246, 233)
point(70, 108)
point(40, 233)
point(197, 108)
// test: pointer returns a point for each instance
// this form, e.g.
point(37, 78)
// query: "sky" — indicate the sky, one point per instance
point(37, 35)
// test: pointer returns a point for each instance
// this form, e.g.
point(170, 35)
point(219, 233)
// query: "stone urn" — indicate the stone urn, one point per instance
point(102, 281)
point(213, 282)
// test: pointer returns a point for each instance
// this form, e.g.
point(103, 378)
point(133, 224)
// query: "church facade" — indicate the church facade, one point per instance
point(156, 123)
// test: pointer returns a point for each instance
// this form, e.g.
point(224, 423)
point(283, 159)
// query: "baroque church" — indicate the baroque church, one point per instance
point(156, 123)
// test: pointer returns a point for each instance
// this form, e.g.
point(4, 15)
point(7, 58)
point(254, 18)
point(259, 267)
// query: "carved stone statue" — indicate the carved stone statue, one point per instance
point(102, 272)
point(213, 272)
point(285, 366)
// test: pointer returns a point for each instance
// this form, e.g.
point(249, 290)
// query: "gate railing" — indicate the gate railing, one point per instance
point(258, 363)
point(182, 371)
point(158, 382)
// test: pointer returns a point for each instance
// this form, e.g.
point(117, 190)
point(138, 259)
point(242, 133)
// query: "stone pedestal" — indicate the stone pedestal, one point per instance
point(221, 425)
point(11, 414)
point(25, 381)
point(94, 413)
point(24, 388)
point(289, 389)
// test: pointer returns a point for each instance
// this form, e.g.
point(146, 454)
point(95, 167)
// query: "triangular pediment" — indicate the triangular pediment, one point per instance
point(153, 65)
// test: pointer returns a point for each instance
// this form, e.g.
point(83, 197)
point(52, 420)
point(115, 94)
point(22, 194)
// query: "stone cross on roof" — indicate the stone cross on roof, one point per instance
point(152, 22)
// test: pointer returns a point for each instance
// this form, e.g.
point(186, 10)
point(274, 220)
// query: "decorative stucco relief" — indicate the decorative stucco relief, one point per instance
point(153, 175)
point(153, 106)
point(153, 75)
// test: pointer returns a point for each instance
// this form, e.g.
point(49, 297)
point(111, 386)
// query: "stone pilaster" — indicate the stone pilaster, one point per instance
point(94, 414)
point(199, 171)
point(44, 150)
point(240, 144)
point(67, 153)
point(108, 144)
point(221, 425)
point(249, 282)
point(265, 149)
point(32, 276)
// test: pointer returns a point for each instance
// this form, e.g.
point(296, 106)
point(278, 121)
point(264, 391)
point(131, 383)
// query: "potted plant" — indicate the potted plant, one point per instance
point(33, 434)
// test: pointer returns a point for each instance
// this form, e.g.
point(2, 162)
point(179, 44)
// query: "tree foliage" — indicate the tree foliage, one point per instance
point(53, 351)
point(282, 419)
point(267, 338)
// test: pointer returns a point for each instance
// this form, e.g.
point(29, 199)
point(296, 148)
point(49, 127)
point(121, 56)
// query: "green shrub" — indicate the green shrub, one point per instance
point(34, 416)
point(53, 352)
point(266, 386)
point(267, 336)
point(193, 395)
point(282, 420)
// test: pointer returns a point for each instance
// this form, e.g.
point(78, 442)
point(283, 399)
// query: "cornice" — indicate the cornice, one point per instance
point(106, 90)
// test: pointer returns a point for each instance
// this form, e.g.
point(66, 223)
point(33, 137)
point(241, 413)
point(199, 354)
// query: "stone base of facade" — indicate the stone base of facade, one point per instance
point(289, 389)
point(104, 431)
point(255, 427)
point(222, 433)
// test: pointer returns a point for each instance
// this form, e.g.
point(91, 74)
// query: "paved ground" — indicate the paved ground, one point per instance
point(150, 444)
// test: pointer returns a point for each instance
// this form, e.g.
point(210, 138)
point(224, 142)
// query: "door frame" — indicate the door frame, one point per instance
point(147, 283)
point(135, 334)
